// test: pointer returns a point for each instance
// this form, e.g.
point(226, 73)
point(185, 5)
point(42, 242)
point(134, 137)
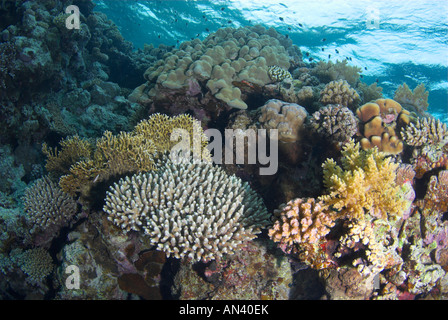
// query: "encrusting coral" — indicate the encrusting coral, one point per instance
point(188, 208)
point(365, 184)
point(381, 120)
point(339, 92)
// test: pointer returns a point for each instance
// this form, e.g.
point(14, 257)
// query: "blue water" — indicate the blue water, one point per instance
point(392, 41)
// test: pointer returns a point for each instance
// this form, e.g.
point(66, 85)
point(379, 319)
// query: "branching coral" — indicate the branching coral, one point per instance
point(188, 208)
point(301, 229)
point(36, 263)
point(339, 92)
point(335, 122)
point(365, 184)
point(73, 149)
point(429, 136)
point(416, 100)
point(329, 71)
point(47, 206)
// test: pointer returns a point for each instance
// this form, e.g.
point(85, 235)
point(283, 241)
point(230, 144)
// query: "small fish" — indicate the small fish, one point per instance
point(307, 54)
point(222, 9)
point(376, 80)
point(158, 36)
point(337, 51)
point(329, 56)
point(287, 36)
point(324, 39)
point(175, 20)
point(350, 58)
point(311, 59)
point(289, 28)
point(207, 29)
point(300, 25)
point(230, 21)
point(281, 18)
point(323, 49)
point(197, 36)
point(361, 76)
point(365, 68)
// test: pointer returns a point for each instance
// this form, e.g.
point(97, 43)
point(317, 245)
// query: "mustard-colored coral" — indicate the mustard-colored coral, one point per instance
point(365, 184)
point(133, 152)
point(73, 149)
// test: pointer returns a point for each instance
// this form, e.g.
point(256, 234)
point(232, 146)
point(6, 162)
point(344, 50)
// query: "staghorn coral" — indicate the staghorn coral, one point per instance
point(416, 100)
point(335, 122)
point(278, 74)
point(288, 118)
point(365, 184)
point(381, 120)
point(339, 92)
point(47, 206)
point(301, 228)
point(188, 208)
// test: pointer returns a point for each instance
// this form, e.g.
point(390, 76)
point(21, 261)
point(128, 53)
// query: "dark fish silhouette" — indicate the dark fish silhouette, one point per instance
point(281, 19)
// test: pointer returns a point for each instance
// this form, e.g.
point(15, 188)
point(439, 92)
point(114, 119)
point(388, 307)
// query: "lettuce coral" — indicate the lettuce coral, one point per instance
point(365, 184)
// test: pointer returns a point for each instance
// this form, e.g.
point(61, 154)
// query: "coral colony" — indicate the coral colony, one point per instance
point(231, 159)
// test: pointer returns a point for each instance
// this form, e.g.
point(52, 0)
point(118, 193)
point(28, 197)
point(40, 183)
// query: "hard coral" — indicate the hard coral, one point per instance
point(339, 92)
point(278, 74)
point(335, 122)
point(47, 206)
point(416, 100)
point(301, 229)
point(380, 122)
point(288, 118)
point(365, 184)
point(189, 209)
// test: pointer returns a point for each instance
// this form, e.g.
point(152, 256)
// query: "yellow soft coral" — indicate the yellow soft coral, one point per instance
point(365, 184)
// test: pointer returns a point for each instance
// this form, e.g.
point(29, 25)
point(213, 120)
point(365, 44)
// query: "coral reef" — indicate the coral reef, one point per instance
point(339, 92)
point(381, 120)
point(334, 122)
point(416, 101)
point(188, 208)
point(330, 71)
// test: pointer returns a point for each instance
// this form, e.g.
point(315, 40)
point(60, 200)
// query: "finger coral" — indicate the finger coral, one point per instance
point(365, 184)
point(188, 208)
point(339, 92)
